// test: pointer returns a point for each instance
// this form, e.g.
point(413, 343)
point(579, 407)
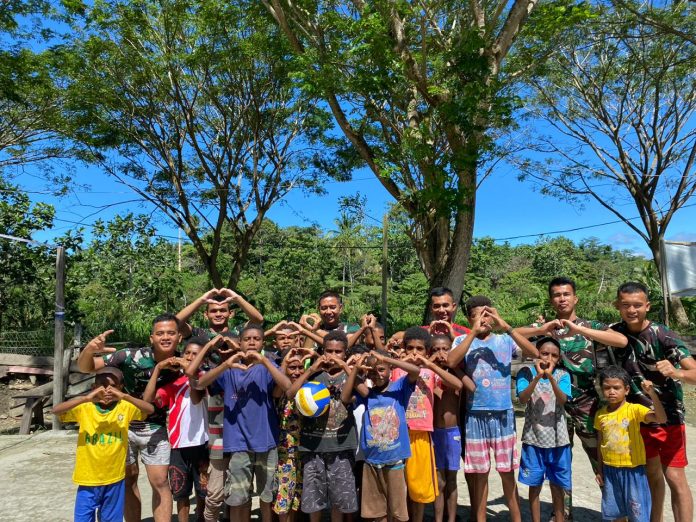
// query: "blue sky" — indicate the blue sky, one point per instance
point(506, 208)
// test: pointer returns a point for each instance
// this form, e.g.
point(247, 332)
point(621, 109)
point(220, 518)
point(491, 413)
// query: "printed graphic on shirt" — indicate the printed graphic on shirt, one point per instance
point(384, 428)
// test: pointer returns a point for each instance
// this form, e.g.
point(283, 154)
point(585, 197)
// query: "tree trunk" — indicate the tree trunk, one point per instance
point(453, 272)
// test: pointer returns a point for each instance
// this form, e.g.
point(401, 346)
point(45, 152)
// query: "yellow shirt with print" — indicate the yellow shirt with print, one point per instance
point(622, 443)
point(102, 442)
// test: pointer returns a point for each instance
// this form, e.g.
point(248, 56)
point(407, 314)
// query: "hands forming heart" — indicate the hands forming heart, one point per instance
point(227, 294)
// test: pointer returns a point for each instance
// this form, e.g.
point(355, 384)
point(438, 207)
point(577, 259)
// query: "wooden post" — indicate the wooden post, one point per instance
point(59, 335)
point(385, 269)
point(664, 282)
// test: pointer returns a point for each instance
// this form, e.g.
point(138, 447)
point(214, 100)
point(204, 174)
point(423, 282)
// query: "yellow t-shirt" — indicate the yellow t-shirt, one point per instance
point(102, 442)
point(622, 443)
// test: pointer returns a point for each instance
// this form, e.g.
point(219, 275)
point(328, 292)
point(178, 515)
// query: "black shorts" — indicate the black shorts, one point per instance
point(188, 468)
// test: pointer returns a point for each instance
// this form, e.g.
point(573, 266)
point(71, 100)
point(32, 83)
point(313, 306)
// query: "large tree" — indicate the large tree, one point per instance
point(620, 100)
point(29, 99)
point(193, 105)
point(421, 90)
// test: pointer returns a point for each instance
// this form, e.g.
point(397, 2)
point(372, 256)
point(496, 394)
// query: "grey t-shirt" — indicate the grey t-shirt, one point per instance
point(544, 420)
point(335, 430)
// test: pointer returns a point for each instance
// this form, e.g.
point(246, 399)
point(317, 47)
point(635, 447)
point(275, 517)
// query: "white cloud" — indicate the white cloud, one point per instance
point(621, 239)
point(683, 236)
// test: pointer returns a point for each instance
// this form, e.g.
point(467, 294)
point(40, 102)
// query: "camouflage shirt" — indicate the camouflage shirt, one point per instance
point(654, 343)
point(137, 365)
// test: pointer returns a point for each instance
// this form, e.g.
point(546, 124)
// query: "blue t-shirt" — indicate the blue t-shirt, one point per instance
point(384, 435)
point(251, 421)
point(488, 363)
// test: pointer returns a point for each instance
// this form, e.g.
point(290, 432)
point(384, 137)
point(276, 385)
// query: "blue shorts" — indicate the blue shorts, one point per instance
point(107, 499)
point(448, 448)
point(626, 494)
point(538, 464)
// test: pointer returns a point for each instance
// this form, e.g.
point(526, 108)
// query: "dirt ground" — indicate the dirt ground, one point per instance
point(37, 469)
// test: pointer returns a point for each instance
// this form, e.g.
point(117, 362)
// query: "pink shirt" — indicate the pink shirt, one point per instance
point(419, 414)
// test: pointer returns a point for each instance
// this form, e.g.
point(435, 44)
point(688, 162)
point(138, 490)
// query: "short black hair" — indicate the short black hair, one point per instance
point(357, 349)
point(476, 301)
point(561, 281)
point(252, 326)
point(200, 340)
point(330, 293)
point(336, 335)
point(418, 334)
point(614, 372)
point(547, 339)
point(439, 291)
point(632, 287)
point(440, 337)
point(166, 317)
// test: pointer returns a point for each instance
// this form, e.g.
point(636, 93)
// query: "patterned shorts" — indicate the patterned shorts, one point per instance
point(486, 431)
point(287, 482)
point(328, 480)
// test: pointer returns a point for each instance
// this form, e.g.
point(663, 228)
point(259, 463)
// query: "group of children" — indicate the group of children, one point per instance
point(402, 415)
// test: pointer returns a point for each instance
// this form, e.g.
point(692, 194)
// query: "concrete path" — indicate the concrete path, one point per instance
point(36, 470)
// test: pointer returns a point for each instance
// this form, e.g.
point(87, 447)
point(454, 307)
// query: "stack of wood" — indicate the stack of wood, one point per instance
point(30, 404)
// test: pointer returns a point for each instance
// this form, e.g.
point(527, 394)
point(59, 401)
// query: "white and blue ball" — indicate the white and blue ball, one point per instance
point(312, 400)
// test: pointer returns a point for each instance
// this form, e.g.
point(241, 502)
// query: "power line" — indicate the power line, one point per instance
point(368, 247)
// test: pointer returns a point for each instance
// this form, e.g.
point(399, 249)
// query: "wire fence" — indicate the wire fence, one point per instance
point(35, 342)
point(41, 342)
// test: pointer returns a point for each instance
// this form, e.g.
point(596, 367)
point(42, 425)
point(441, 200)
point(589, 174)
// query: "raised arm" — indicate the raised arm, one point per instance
point(352, 382)
point(686, 372)
point(249, 309)
point(93, 396)
point(282, 380)
point(87, 362)
point(316, 366)
point(658, 415)
point(209, 378)
point(412, 370)
point(143, 406)
point(528, 349)
point(184, 315)
point(538, 331)
point(449, 380)
point(606, 337)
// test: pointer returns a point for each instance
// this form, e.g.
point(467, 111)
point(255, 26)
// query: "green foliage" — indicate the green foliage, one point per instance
point(195, 105)
point(25, 270)
point(124, 277)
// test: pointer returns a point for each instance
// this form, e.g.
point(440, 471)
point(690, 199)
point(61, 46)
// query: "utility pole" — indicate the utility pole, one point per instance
point(179, 252)
point(385, 269)
point(60, 368)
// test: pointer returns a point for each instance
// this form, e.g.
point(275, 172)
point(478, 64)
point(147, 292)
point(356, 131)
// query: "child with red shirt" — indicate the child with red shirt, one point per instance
point(188, 431)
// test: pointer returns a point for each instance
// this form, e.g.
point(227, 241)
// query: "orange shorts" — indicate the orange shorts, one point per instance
point(666, 442)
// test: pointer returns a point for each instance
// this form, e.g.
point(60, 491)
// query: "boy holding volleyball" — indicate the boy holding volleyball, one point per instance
point(384, 438)
point(250, 434)
point(328, 441)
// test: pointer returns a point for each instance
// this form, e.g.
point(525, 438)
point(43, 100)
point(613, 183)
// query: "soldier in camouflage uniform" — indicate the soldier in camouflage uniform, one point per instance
point(583, 348)
point(656, 354)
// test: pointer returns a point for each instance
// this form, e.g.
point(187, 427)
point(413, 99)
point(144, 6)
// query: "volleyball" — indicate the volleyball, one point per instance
point(312, 400)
